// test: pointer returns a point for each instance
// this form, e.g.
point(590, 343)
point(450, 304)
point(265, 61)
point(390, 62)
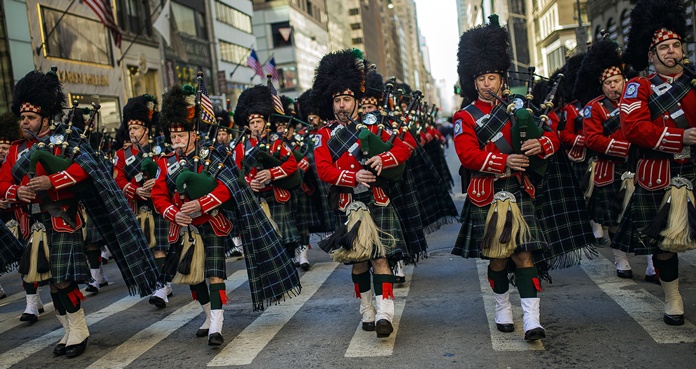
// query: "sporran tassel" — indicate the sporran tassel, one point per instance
point(368, 244)
point(192, 260)
point(38, 241)
point(329, 244)
point(659, 222)
point(267, 210)
point(147, 224)
point(587, 184)
point(490, 229)
point(504, 234)
point(677, 234)
point(626, 192)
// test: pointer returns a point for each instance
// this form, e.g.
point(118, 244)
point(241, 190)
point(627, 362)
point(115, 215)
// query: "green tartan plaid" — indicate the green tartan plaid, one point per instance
point(92, 235)
point(600, 206)
point(659, 104)
point(329, 217)
point(437, 157)
point(10, 250)
point(436, 206)
point(406, 204)
point(386, 220)
point(343, 137)
point(214, 254)
point(161, 233)
point(641, 211)
point(284, 218)
point(468, 243)
point(579, 169)
point(305, 206)
point(67, 254)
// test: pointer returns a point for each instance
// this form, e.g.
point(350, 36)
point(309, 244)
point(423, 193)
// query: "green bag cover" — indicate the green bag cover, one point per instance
point(524, 119)
point(196, 185)
point(269, 161)
point(148, 167)
point(53, 164)
point(372, 145)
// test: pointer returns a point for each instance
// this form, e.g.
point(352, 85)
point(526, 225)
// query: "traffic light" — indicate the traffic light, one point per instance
point(457, 89)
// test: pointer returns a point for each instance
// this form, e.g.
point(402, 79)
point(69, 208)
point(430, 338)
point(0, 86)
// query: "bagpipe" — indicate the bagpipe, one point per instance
point(55, 157)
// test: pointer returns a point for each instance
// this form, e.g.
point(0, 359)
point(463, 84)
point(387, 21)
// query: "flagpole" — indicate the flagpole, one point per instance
point(140, 30)
point(246, 55)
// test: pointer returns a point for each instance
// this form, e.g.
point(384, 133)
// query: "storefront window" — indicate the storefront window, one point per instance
point(287, 75)
point(75, 38)
point(6, 83)
point(143, 83)
point(109, 116)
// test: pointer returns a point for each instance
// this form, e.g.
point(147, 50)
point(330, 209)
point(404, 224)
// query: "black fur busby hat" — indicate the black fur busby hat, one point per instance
point(482, 49)
point(603, 60)
point(305, 106)
point(374, 88)
point(39, 93)
point(570, 71)
point(339, 73)
point(539, 91)
point(9, 128)
point(224, 119)
point(653, 21)
point(141, 111)
point(78, 117)
point(254, 102)
point(179, 109)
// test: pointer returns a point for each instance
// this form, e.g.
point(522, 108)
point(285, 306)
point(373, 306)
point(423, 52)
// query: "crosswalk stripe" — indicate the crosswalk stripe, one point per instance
point(642, 306)
point(513, 341)
point(23, 351)
point(249, 343)
point(366, 344)
point(146, 339)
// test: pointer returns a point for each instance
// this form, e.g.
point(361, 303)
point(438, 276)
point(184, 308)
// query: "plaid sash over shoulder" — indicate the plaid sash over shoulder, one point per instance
point(486, 130)
point(271, 271)
point(612, 124)
point(658, 104)
point(108, 209)
point(10, 250)
point(562, 214)
point(343, 138)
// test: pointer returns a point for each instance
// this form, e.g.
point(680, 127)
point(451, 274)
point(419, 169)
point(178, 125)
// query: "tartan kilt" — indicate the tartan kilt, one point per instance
point(306, 208)
point(92, 235)
point(328, 217)
point(214, 255)
point(468, 243)
point(579, 170)
point(68, 260)
point(601, 204)
point(387, 221)
point(436, 206)
point(161, 233)
point(10, 250)
point(641, 210)
point(437, 156)
point(282, 215)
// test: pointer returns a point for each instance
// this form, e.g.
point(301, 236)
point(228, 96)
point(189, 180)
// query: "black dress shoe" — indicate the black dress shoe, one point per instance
point(215, 339)
point(305, 266)
point(202, 333)
point(59, 350)
point(3, 295)
point(26, 317)
point(383, 328)
point(399, 279)
point(103, 284)
point(674, 319)
point(91, 289)
point(624, 273)
point(368, 326)
point(506, 328)
point(652, 278)
point(158, 302)
point(534, 334)
point(76, 350)
point(41, 310)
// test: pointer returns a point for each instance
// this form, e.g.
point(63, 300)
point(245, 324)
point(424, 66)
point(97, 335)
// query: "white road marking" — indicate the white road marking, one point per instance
point(511, 341)
point(249, 343)
point(642, 306)
point(366, 344)
point(23, 351)
point(146, 339)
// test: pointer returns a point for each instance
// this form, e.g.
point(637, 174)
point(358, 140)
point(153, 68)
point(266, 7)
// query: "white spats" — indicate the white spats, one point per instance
point(673, 300)
point(367, 309)
point(530, 307)
point(503, 308)
point(621, 261)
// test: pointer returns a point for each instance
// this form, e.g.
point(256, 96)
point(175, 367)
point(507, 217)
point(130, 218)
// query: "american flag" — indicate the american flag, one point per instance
point(102, 8)
point(254, 63)
point(271, 68)
point(207, 113)
point(277, 104)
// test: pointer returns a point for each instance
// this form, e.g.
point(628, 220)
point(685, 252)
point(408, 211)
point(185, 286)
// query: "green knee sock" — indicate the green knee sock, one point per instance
point(383, 284)
point(93, 258)
point(499, 281)
point(527, 281)
point(218, 296)
point(200, 293)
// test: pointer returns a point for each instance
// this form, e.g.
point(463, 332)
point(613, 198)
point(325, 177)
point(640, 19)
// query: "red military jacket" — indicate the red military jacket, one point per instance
point(168, 203)
point(286, 169)
point(660, 135)
point(128, 186)
point(343, 172)
point(61, 182)
point(489, 161)
point(611, 149)
point(572, 140)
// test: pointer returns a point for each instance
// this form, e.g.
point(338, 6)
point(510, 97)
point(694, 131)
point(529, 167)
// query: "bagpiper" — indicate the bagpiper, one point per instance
point(507, 214)
point(353, 158)
point(658, 116)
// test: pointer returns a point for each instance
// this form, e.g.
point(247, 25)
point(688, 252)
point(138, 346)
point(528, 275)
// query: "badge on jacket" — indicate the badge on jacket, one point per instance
point(457, 127)
point(631, 90)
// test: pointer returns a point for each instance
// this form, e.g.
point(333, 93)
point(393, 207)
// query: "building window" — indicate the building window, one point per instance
point(75, 38)
point(611, 29)
point(310, 8)
point(281, 34)
point(287, 77)
point(233, 17)
point(354, 11)
point(625, 24)
point(355, 26)
point(357, 41)
point(134, 16)
point(556, 59)
point(189, 21)
point(233, 53)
